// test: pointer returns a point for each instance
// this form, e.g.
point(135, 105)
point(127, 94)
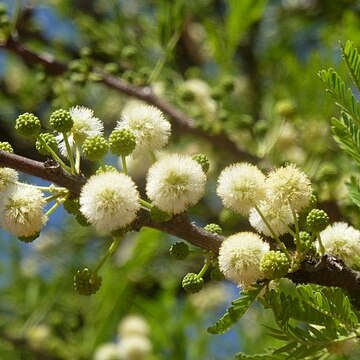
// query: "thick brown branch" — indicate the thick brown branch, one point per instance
point(48, 170)
point(181, 120)
point(328, 272)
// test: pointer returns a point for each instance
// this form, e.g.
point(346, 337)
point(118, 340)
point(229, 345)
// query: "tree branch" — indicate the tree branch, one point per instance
point(329, 271)
point(181, 120)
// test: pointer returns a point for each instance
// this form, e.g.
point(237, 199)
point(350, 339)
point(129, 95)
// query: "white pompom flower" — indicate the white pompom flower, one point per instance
point(175, 182)
point(109, 201)
point(239, 258)
point(8, 177)
point(149, 125)
point(241, 187)
point(135, 347)
point(343, 241)
point(276, 213)
point(290, 184)
point(133, 325)
point(85, 125)
point(21, 211)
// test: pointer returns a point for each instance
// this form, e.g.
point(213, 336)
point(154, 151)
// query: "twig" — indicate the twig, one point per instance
point(180, 120)
point(329, 272)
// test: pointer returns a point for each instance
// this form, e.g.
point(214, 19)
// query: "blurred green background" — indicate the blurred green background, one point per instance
point(246, 68)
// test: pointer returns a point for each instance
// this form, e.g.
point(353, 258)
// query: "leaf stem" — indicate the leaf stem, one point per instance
point(114, 245)
point(278, 241)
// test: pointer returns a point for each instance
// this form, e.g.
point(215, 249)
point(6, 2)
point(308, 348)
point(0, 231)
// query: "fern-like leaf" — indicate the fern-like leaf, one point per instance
point(352, 58)
point(342, 95)
point(353, 187)
point(347, 135)
point(236, 311)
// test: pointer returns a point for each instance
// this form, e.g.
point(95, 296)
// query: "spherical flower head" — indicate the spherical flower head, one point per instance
point(133, 325)
point(290, 184)
point(274, 265)
point(122, 142)
point(5, 146)
point(85, 124)
point(203, 161)
point(239, 258)
point(21, 212)
point(49, 140)
point(277, 214)
point(213, 228)
point(135, 348)
point(192, 283)
point(108, 351)
point(149, 125)
point(241, 187)
point(109, 201)
point(175, 182)
point(8, 177)
point(28, 124)
point(95, 147)
point(61, 121)
point(179, 250)
point(343, 241)
point(317, 220)
point(86, 282)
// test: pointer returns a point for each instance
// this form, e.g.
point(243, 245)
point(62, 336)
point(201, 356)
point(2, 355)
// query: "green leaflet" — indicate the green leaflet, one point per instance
point(342, 95)
point(315, 305)
point(236, 311)
point(347, 135)
point(353, 187)
point(352, 58)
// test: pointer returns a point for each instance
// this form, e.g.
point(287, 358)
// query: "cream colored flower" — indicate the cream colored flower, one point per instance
point(290, 184)
point(149, 125)
point(343, 241)
point(175, 182)
point(241, 187)
point(109, 201)
point(7, 178)
point(21, 211)
point(239, 257)
point(276, 213)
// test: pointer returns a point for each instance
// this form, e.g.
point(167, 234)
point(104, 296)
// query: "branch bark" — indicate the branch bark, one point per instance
point(180, 120)
point(329, 271)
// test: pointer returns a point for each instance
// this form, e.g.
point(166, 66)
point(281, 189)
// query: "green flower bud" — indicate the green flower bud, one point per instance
point(317, 220)
point(50, 140)
point(312, 205)
point(5, 146)
point(227, 84)
point(203, 161)
point(122, 142)
point(306, 243)
point(29, 239)
point(105, 168)
point(28, 124)
point(214, 228)
point(179, 250)
point(86, 283)
point(61, 121)
point(285, 108)
point(128, 52)
point(192, 283)
point(158, 215)
point(186, 95)
point(274, 265)
point(82, 220)
point(72, 206)
point(216, 274)
point(95, 148)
